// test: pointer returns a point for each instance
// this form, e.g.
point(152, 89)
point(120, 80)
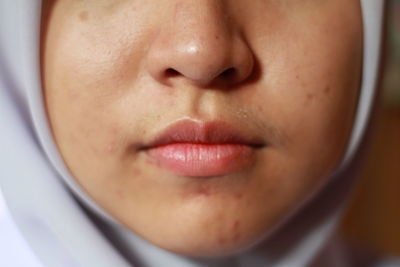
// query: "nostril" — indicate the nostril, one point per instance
point(228, 73)
point(171, 73)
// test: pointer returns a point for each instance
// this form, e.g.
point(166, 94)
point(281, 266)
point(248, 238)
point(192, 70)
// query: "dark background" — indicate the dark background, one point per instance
point(372, 220)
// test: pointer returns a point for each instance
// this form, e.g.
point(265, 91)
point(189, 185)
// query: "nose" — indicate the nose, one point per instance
point(201, 45)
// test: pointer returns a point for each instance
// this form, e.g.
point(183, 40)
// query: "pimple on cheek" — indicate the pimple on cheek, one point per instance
point(260, 109)
point(303, 84)
point(310, 97)
point(111, 145)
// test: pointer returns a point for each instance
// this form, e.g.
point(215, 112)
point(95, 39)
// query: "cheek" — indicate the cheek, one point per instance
point(93, 46)
point(309, 92)
point(88, 69)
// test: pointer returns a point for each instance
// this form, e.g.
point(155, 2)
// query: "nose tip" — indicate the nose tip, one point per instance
point(201, 53)
point(202, 64)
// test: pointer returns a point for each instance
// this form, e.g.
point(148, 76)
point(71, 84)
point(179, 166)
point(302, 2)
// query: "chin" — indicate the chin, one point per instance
point(210, 233)
point(208, 248)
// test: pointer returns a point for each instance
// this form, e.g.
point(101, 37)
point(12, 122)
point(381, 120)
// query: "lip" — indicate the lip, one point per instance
point(202, 149)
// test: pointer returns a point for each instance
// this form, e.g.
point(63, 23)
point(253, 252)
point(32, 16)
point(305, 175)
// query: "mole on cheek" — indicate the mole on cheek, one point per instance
point(327, 90)
point(83, 16)
point(238, 196)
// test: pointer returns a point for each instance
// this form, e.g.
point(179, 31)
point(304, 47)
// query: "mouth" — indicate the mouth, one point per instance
point(202, 149)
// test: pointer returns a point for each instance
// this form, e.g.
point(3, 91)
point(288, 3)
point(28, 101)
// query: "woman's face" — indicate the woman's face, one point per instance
point(200, 124)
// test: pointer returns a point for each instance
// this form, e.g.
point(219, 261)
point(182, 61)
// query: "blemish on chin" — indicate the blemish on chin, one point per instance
point(203, 191)
point(236, 231)
point(221, 240)
point(199, 191)
point(236, 237)
point(232, 236)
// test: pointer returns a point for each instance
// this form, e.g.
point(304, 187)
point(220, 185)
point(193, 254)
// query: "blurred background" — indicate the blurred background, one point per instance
point(372, 220)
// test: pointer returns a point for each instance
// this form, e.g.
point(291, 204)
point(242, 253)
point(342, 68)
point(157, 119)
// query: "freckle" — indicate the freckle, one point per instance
point(327, 90)
point(83, 16)
point(310, 96)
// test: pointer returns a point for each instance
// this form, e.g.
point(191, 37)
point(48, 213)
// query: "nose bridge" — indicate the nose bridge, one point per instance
point(205, 40)
point(199, 44)
point(203, 23)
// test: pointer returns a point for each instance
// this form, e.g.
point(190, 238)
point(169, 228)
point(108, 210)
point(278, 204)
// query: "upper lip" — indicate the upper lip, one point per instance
point(209, 132)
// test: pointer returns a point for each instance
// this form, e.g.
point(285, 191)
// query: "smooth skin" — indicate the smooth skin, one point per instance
point(117, 72)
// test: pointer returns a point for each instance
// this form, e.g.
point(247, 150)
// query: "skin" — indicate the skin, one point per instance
point(116, 73)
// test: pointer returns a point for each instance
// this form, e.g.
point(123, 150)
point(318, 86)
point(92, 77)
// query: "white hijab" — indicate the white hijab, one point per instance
point(64, 227)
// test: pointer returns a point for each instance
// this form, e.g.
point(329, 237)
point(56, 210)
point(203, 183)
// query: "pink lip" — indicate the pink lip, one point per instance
point(196, 149)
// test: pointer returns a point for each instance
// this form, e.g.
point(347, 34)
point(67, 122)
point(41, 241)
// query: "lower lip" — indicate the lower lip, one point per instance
point(202, 160)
